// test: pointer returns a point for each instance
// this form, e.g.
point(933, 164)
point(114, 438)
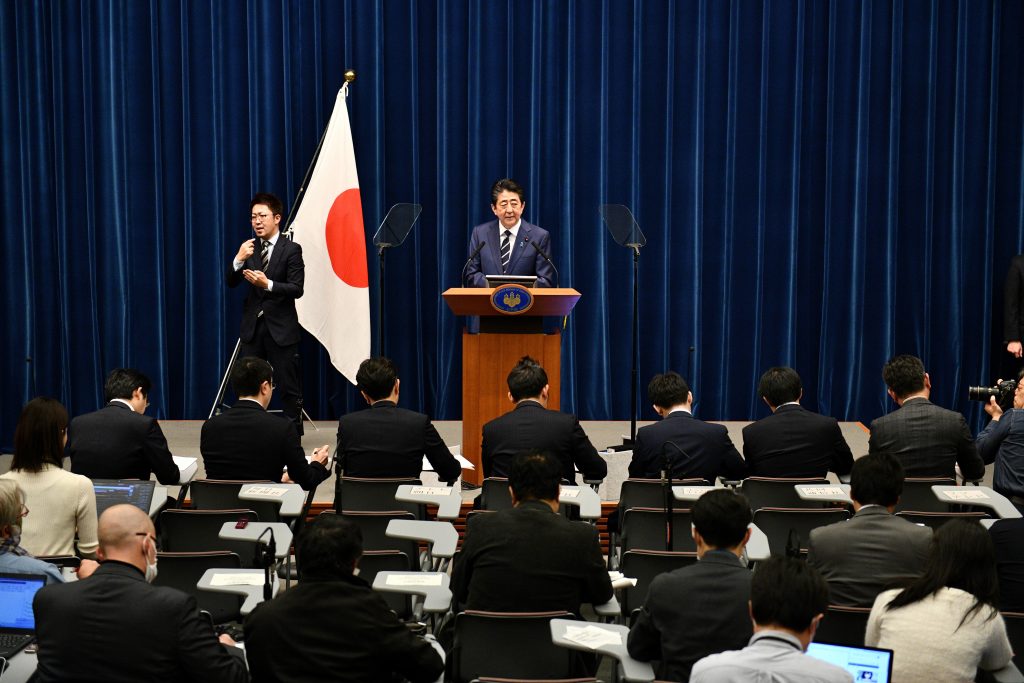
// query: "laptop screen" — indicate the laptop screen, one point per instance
point(863, 663)
point(16, 593)
point(113, 492)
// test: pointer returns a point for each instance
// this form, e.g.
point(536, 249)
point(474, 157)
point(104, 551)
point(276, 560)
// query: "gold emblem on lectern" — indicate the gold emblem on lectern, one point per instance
point(512, 300)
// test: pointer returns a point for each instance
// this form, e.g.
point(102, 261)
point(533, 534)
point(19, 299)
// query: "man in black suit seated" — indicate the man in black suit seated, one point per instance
point(699, 609)
point(119, 441)
point(531, 427)
point(530, 558)
point(926, 439)
point(388, 441)
point(695, 449)
point(332, 626)
point(873, 550)
point(114, 626)
point(1008, 539)
point(792, 441)
point(246, 442)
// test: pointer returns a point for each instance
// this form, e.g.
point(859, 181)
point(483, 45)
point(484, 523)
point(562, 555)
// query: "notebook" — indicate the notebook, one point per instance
point(113, 492)
point(863, 663)
point(17, 621)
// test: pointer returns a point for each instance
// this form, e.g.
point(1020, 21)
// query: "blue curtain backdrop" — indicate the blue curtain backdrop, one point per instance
point(822, 184)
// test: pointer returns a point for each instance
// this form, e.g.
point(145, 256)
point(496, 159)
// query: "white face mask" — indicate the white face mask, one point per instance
point(151, 568)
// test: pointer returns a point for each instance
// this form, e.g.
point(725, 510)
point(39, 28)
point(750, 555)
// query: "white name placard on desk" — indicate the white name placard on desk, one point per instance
point(431, 491)
point(237, 580)
point(824, 491)
point(966, 495)
point(569, 493)
point(275, 491)
point(412, 580)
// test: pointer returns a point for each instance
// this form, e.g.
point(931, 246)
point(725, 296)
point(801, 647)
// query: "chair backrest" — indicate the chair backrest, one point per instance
point(62, 561)
point(918, 496)
point(778, 523)
point(646, 529)
point(374, 561)
point(222, 494)
point(650, 493)
point(183, 571)
point(508, 645)
point(644, 565)
point(362, 494)
point(197, 531)
point(494, 494)
point(777, 492)
point(1015, 632)
point(374, 525)
point(937, 519)
point(843, 626)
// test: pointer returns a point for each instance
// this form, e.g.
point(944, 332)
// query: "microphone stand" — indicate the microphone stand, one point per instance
point(546, 258)
point(266, 558)
point(472, 256)
point(669, 497)
point(633, 382)
point(380, 299)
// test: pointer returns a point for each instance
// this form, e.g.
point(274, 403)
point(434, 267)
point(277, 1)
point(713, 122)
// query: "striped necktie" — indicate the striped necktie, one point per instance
point(265, 254)
point(506, 250)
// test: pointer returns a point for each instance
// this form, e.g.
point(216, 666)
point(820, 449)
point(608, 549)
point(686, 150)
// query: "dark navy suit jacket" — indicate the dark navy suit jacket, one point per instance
point(524, 259)
point(700, 449)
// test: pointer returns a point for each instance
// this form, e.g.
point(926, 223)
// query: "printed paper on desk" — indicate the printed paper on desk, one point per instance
point(592, 636)
point(274, 491)
point(695, 490)
point(427, 579)
point(824, 491)
point(569, 493)
point(966, 495)
point(619, 580)
point(431, 490)
point(237, 580)
point(182, 462)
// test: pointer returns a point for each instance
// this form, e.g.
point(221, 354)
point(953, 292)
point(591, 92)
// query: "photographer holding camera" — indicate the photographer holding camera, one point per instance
point(1002, 440)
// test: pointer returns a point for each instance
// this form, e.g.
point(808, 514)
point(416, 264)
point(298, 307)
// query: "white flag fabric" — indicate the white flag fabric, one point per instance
point(335, 305)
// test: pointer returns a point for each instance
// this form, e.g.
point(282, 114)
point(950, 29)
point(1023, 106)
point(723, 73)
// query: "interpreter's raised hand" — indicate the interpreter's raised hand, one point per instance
point(247, 249)
point(256, 278)
point(1015, 348)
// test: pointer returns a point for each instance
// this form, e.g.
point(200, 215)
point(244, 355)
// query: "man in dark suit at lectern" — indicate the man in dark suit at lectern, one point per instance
point(509, 245)
point(270, 326)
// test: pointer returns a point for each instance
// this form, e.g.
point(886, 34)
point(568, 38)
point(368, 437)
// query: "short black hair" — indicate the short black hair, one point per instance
point(376, 377)
point(506, 185)
point(328, 547)
point(667, 390)
point(780, 385)
point(904, 375)
point(39, 435)
point(876, 479)
point(249, 373)
point(527, 379)
point(122, 383)
point(535, 476)
point(271, 201)
point(721, 517)
point(787, 592)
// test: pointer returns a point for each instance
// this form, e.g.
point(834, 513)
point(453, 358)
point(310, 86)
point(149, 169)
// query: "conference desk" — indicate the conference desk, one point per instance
point(448, 499)
point(583, 497)
point(159, 500)
point(432, 586)
point(252, 532)
point(604, 639)
point(977, 496)
point(290, 497)
point(442, 536)
point(249, 585)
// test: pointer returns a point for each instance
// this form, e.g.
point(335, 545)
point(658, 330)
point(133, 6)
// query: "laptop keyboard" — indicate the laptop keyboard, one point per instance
point(11, 643)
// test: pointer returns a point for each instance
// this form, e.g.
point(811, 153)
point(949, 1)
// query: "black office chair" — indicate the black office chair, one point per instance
point(62, 561)
point(197, 531)
point(377, 494)
point(183, 571)
point(375, 561)
point(646, 529)
point(918, 495)
point(222, 494)
point(778, 492)
point(937, 519)
point(374, 529)
point(644, 565)
point(1015, 632)
point(782, 524)
point(843, 625)
point(494, 494)
point(508, 645)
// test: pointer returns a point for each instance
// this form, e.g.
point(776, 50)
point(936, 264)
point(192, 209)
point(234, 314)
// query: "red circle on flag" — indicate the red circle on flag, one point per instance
point(346, 244)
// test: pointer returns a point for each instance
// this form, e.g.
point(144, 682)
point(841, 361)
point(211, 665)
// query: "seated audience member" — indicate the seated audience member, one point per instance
point(531, 428)
point(945, 625)
point(64, 503)
point(787, 600)
point(926, 439)
point(792, 441)
point(332, 626)
point(703, 608)
point(873, 550)
point(530, 558)
point(388, 441)
point(13, 558)
point(1008, 539)
point(115, 626)
point(694, 448)
point(119, 441)
point(247, 442)
point(1002, 441)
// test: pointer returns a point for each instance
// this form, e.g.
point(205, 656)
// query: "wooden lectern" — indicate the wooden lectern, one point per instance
point(488, 357)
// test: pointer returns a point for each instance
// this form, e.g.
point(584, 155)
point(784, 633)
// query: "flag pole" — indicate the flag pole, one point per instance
point(350, 76)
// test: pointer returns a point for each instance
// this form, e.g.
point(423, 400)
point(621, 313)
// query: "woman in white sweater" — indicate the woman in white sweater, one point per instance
point(945, 625)
point(61, 502)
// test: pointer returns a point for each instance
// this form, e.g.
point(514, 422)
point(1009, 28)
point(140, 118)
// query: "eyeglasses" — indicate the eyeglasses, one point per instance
point(147, 535)
point(260, 216)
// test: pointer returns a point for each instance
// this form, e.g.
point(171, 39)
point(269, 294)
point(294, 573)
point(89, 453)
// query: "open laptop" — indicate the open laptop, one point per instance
point(863, 663)
point(17, 621)
point(115, 491)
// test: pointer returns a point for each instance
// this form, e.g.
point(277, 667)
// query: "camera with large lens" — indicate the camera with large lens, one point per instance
point(1003, 391)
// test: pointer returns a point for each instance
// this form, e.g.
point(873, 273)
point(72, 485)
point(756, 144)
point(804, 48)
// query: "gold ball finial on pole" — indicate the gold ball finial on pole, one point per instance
point(350, 75)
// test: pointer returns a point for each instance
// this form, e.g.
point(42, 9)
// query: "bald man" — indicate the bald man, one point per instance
point(115, 626)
